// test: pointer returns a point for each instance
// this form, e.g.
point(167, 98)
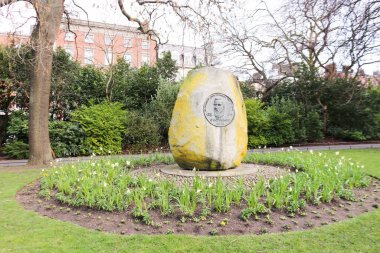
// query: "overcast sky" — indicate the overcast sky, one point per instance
point(18, 18)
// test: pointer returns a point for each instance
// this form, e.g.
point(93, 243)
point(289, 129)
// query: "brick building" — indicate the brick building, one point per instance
point(98, 43)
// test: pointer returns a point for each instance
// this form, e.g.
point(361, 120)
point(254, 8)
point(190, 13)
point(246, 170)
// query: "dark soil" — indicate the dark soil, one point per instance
point(368, 199)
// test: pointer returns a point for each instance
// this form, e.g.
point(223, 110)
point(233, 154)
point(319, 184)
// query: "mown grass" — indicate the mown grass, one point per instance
point(369, 157)
point(26, 231)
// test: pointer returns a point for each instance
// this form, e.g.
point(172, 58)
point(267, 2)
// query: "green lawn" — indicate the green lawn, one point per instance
point(26, 231)
point(369, 157)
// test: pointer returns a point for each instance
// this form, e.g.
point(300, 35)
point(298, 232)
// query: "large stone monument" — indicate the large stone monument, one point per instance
point(208, 130)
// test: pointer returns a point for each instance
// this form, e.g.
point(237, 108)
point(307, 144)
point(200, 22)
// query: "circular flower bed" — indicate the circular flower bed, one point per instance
point(316, 185)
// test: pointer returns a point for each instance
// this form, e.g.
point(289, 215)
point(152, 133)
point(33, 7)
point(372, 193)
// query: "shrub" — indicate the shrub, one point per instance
point(347, 134)
point(313, 126)
point(280, 130)
point(18, 126)
point(161, 108)
point(257, 141)
point(296, 113)
point(103, 125)
point(141, 132)
point(17, 149)
point(258, 122)
point(67, 139)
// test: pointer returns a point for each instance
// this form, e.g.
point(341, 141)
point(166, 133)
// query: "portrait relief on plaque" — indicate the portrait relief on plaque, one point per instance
point(219, 110)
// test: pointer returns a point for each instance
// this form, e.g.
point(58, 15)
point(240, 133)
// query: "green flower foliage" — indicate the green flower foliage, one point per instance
point(104, 125)
point(108, 184)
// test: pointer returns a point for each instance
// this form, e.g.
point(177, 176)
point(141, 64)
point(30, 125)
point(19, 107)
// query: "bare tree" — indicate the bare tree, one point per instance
point(319, 33)
point(323, 32)
point(244, 39)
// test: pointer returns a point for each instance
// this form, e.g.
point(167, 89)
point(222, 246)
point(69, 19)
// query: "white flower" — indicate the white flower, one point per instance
point(199, 190)
point(337, 153)
point(290, 189)
point(282, 149)
point(101, 148)
point(56, 172)
point(109, 151)
point(291, 147)
point(105, 184)
point(116, 164)
point(128, 191)
point(209, 185)
point(296, 170)
point(342, 157)
point(43, 170)
point(92, 164)
point(319, 153)
point(311, 151)
point(128, 163)
point(150, 180)
point(265, 146)
point(362, 166)
point(112, 165)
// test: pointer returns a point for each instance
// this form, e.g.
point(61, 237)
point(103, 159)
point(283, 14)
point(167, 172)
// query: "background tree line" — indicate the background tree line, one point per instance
point(83, 118)
point(135, 113)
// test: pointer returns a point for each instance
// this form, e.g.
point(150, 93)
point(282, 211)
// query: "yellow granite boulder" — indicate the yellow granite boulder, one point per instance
point(208, 130)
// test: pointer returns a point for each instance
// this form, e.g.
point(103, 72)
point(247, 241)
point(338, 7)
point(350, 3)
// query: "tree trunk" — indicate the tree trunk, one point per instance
point(49, 14)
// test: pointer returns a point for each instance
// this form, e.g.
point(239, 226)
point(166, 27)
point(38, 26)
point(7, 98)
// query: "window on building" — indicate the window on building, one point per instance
point(145, 44)
point(69, 36)
point(127, 42)
point(187, 59)
point(108, 59)
point(70, 51)
point(194, 60)
point(128, 57)
point(89, 56)
point(108, 40)
point(89, 38)
point(146, 59)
